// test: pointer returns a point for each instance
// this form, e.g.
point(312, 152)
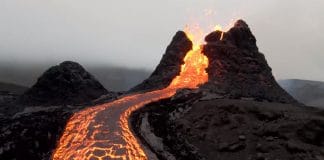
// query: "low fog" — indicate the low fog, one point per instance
point(134, 34)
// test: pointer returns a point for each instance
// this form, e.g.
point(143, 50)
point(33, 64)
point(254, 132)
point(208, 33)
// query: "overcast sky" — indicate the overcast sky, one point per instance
point(135, 33)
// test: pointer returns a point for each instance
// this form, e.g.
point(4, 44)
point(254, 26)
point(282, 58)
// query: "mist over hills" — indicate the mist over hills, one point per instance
point(114, 78)
point(17, 78)
point(13, 88)
point(306, 91)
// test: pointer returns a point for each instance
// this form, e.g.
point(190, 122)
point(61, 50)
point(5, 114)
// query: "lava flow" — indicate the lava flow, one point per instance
point(103, 131)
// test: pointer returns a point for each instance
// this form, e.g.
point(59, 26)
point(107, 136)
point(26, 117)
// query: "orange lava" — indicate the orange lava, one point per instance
point(103, 132)
point(192, 71)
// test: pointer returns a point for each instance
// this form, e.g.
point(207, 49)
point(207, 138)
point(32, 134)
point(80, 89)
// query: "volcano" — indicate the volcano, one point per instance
point(236, 67)
point(66, 83)
point(240, 112)
point(203, 101)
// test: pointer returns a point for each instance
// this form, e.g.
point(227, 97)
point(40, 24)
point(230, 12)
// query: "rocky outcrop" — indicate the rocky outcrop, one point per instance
point(237, 68)
point(169, 66)
point(66, 83)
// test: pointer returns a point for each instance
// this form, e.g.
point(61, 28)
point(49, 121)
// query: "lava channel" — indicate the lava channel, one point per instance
point(103, 132)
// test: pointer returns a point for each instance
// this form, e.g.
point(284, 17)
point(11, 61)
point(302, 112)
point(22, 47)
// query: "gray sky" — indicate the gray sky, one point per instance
point(136, 33)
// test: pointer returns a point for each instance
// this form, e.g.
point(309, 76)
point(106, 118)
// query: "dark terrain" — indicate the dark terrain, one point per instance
point(196, 125)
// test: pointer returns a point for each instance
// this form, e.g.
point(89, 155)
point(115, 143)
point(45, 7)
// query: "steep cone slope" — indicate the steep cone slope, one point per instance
point(238, 69)
point(169, 66)
point(67, 83)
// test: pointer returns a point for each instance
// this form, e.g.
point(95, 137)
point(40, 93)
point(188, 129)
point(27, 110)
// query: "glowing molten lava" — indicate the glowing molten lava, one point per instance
point(193, 71)
point(103, 132)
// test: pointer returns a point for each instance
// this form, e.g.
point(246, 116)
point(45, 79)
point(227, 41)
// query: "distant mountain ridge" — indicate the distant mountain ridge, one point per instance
point(306, 91)
point(114, 78)
point(12, 88)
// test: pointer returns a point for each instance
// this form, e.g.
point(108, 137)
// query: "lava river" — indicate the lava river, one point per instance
point(103, 132)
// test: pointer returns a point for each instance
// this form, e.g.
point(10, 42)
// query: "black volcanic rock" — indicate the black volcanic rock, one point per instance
point(231, 129)
point(241, 36)
point(169, 66)
point(67, 83)
point(32, 134)
point(238, 69)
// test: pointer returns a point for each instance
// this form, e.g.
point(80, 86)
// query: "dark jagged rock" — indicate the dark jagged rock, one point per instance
point(169, 66)
point(67, 83)
point(32, 134)
point(238, 69)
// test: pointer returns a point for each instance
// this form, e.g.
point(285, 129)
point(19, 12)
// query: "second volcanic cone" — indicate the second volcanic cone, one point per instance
point(237, 68)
